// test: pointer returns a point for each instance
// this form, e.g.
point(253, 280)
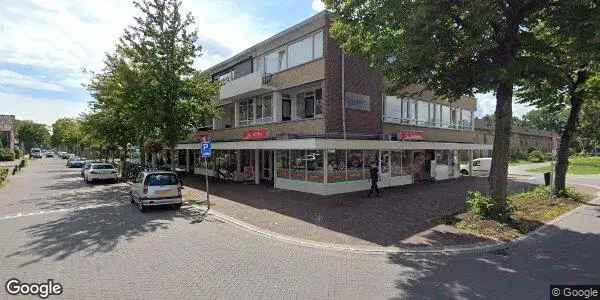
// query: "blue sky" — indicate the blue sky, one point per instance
point(47, 44)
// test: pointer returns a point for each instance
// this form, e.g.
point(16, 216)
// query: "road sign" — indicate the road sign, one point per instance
point(206, 150)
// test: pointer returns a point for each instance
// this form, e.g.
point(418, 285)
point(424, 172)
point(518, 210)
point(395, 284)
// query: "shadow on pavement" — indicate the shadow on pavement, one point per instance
point(399, 214)
point(559, 256)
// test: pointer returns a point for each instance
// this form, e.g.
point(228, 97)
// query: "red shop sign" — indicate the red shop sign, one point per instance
point(256, 134)
point(201, 136)
point(410, 135)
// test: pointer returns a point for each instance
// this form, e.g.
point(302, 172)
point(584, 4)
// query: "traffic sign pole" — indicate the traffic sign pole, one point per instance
point(206, 151)
point(206, 177)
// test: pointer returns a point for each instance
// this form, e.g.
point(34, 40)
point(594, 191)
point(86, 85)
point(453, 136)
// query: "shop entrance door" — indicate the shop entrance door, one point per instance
point(266, 165)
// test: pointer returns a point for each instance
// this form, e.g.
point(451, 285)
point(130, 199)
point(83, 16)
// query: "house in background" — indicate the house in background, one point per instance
point(301, 115)
point(7, 131)
point(522, 140)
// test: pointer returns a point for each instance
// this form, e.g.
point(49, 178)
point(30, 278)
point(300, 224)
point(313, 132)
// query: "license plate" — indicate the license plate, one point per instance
point(164, 193)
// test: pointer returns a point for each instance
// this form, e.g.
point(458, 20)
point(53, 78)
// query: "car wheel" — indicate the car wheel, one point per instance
point(464, 172)
point(131, 199)
point(142, 207)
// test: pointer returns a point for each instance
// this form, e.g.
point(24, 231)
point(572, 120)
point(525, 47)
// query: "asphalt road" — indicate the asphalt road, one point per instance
point(92, 241)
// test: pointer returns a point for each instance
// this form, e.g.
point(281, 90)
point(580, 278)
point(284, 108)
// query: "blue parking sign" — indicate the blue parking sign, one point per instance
point(206, 150)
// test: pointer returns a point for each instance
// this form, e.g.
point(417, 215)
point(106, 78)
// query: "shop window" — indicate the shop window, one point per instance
point(401, 163)
point(371, 159)
point(336, 166)
point(283, 164)
point(385, 162)
point(298, 165)
point(355, 165)
point(314, 165)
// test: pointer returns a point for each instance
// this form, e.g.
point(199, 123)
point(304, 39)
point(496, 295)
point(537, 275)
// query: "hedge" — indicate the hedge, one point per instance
point(3, 174)
point(6, 154)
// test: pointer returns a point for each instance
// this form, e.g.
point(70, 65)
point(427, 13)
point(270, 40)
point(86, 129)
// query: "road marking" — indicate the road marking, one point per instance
point(45, 212)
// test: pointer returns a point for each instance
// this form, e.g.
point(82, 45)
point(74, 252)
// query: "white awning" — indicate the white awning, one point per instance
point(334, 144)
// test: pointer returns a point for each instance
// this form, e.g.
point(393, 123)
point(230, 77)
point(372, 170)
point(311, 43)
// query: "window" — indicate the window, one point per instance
point(263, 109)
point(286, 107)
point(318, 44)
point(371, 159)
point(314, 165)
point(298, 165)
point(466, 118)
point(432, 114)
point(355, 165)
point(272, 63)
point(445, 116)
point(422, 112)
point(283, 164)
point(301, 52)
point(409, 107)
point(336, 166)
point(282, 60)
point(309, 104)
point(246, 112)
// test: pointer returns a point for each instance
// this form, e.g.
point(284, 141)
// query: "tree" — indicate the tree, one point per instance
point(546, 119)
point(455, 48)
point(67, 134)
point(563, 46)
point(32, 134)
point(588, 134)
point(162, 46)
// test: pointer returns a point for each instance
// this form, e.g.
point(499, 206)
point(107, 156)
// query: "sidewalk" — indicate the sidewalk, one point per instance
point(408, 216)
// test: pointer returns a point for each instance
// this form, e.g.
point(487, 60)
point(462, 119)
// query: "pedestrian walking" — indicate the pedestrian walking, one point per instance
point(374, 172)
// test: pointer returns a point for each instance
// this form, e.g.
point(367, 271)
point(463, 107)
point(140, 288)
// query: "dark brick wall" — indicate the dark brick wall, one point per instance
point(360, 79)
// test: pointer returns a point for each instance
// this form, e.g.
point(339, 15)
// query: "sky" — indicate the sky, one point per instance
point(49, 47)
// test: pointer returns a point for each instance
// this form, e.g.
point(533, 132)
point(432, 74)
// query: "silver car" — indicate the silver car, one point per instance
point(156, 188)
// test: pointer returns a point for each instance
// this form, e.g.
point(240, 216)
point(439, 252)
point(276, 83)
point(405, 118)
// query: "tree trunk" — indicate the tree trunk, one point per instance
point(562, 160)
point(173, 162)
point(501, 153)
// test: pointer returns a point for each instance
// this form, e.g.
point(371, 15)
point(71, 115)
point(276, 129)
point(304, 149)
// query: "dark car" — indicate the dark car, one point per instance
point(76, 162)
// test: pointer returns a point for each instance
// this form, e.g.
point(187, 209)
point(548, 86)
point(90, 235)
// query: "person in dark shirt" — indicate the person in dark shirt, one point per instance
point(374, 172)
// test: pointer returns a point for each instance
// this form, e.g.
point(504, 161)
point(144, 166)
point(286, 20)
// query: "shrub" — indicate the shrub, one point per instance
point(18, 153)
point(536, 156)
point(6, 154)
point(3, 174)
point(518, 155)
point(480, 204)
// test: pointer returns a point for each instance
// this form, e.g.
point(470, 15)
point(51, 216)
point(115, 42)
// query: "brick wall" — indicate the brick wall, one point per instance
point(360, 79)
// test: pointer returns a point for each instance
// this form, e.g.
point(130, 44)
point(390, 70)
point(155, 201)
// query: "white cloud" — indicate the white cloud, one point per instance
point(40, 110)
point(318, 5)
point(10, 78)
point(486, 105)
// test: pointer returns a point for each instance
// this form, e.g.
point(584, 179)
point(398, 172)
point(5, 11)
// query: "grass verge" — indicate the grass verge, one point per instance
point(577, 166)
point(530, 210)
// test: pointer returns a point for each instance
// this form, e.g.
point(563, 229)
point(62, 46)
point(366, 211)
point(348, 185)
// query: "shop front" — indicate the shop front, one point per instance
point(331, 166)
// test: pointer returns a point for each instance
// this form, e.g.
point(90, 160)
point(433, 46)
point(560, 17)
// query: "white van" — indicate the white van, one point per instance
point(481, 166)
point(36, 153)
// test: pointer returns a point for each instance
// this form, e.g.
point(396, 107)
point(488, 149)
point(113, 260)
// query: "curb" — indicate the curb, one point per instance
point(469, 249)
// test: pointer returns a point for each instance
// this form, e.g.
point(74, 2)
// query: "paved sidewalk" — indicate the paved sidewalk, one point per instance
point(405, 217)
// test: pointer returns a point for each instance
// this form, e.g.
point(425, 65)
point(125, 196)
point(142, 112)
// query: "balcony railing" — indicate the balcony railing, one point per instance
point(249, 85)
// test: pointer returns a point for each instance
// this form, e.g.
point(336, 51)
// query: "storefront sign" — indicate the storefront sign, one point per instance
point(358, 101)
point(410, 135)
point(256, 134)
point(201, 136)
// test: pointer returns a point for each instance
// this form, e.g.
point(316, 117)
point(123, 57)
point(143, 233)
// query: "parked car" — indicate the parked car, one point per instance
point(100, 171)
point(156, 188)
point(36, 153)
point(596, 152)
point(49, 154)
point(75, 162)
point(85, 167)
point(63, 155)
point(481, 166)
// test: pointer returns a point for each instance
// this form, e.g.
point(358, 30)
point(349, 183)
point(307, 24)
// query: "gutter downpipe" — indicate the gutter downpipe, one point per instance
point(343, 97)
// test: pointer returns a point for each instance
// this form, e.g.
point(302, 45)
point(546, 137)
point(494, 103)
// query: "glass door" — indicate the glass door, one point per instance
point(267, 165)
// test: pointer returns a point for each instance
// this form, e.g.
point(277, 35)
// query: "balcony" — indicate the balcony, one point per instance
point(247, 86)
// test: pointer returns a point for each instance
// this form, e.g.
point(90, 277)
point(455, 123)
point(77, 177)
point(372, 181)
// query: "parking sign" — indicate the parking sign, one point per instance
point(206, 150)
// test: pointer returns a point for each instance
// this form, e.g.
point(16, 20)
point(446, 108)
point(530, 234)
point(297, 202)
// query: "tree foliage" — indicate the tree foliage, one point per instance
point(31, 134)
point(455, 48)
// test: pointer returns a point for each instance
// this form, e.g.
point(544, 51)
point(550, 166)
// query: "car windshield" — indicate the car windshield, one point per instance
point(102, 167)
point(161, 179)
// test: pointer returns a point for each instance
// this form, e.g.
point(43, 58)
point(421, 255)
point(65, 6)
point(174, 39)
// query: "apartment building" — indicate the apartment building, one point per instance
point(522, 140)
point(299, 114)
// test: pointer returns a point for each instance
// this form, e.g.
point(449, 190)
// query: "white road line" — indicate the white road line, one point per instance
point(45, 212)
